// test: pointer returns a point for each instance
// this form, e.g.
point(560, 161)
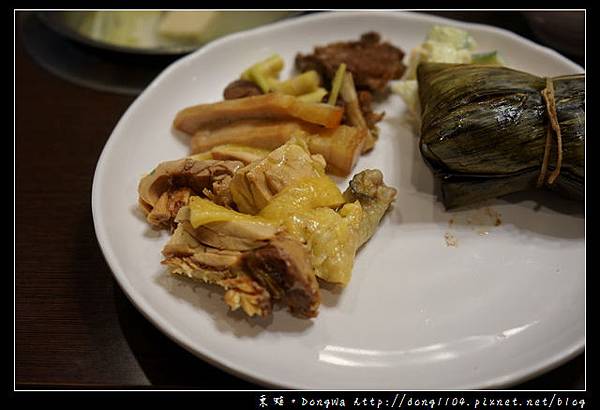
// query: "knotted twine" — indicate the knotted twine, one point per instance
point(548, 95)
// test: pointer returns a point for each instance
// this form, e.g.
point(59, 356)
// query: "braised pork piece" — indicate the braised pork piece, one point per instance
point(373, 63)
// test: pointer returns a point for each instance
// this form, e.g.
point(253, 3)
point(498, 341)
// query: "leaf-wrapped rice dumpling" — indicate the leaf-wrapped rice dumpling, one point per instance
point(489, 131)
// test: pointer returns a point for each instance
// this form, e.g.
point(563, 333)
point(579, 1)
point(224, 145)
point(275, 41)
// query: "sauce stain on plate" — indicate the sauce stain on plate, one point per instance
point(482, 221)
point(451, 240)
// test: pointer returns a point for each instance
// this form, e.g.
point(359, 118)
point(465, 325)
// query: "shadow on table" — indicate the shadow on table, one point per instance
point(165, 363)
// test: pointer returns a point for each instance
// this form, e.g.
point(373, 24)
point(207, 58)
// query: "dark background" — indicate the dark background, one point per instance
point(75, 328)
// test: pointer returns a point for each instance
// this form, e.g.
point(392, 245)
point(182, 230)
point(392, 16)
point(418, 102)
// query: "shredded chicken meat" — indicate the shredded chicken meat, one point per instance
point(169, 186)
point(256, 266)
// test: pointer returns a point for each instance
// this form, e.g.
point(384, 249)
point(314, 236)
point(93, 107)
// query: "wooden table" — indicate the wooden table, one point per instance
point(75, 328)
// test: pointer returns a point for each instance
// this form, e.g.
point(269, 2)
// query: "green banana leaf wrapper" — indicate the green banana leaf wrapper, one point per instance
point(483, 131)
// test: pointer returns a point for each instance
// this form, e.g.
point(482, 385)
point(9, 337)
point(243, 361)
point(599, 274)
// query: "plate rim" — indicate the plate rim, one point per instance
point(215, 359)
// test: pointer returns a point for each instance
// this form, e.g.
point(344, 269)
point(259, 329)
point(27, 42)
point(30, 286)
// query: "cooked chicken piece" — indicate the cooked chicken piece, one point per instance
point(186, 172)
point(168, 187)
point(374, 196)
point(253, 186)
point(235, 235)
point(303, 195)
point(340, 146)
point(265, 268)
point(330, 237)
point(372, 63)
point(244, 292)
point(267, 106)
point(165, 209)
point(306, 211)
point(220, 193)
point(222, 228)
point(185, 256)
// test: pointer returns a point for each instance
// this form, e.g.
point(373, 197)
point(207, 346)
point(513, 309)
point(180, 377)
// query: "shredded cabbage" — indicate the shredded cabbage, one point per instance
point(443, 44)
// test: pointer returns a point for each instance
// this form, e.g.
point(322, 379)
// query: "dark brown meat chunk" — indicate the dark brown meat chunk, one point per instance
point(373, 63)
point(241, 89)
point(283, 268)
point(365, 99)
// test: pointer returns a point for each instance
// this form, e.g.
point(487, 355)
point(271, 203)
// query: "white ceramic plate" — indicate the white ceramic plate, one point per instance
point(505, 303)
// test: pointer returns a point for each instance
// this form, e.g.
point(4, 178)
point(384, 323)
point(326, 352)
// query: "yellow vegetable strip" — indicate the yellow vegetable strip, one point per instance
point(259, 79)
point(261, 72)
point(301, 84)
point(337, 84)
point(269, 67)
point(315, 96)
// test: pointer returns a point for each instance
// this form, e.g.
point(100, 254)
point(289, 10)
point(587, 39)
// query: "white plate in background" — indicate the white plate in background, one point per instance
point(506, 303)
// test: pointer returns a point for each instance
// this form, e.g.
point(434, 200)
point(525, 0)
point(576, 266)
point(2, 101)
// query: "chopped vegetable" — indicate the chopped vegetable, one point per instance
point(271, 67)
point(260, 72)
point(353, 112)
point(490, 58)
point(443, 45)
point(454, 37)
point(257, 77)
point(301, 84)
point(273, 82)
point(315, 96)
point(409, 91)
point(337, 84)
